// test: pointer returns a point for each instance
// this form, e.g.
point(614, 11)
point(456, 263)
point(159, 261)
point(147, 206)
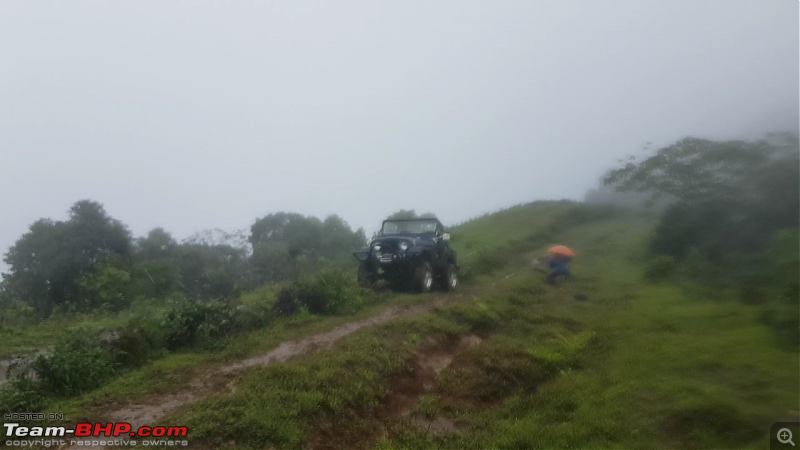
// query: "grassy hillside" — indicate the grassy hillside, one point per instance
point(606, 360)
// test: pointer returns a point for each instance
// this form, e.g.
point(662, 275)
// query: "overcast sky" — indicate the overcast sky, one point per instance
point(193, 115)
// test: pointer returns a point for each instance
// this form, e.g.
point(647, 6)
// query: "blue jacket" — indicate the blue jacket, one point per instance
point(559, 266)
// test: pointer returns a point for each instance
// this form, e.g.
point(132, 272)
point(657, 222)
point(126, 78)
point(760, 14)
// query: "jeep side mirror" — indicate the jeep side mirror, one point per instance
point(446, 236)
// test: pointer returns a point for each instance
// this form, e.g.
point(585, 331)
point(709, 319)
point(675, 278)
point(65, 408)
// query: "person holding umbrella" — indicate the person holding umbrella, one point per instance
point(558, 258)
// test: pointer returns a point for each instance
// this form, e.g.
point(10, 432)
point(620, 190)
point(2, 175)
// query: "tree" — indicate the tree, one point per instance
point(158, 244)
point(408, 214)
point(47, 263)
point(196, 268)
point(211, 272)
point(293, 232)
point(338, 238)
point(216, 236)
point(728, 196)
point(608, 195)
point(107, 287)
point(155, 273)
point(284, 243)
point(97, 234)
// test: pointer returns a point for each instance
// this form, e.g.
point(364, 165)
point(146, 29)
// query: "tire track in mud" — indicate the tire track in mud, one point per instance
point(208, 384)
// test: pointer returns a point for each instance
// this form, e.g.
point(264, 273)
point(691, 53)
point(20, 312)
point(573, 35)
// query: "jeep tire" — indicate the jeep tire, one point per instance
point(365, 276)
point(423, 277)
point(450, 278)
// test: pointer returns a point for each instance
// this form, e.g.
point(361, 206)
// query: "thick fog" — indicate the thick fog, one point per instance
point(193, 115)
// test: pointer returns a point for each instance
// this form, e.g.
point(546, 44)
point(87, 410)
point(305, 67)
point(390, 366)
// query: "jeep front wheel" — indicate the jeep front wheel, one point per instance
point(423, 277)
point(450, 280)
point(365, 276)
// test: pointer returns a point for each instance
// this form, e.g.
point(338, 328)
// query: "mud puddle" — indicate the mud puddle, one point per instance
point(407, 392)
point(398, 409)
point(436, 362)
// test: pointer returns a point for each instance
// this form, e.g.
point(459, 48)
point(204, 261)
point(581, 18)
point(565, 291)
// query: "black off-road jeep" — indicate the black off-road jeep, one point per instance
point(409, 251)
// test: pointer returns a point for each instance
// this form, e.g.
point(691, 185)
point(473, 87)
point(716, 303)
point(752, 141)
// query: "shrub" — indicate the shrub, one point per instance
point(482, 262)
point(154, 279)
point(108, 288)
point(477, 316)
point(191, 323)
point(328, 292)
point(254, 316)
point(287, 303)
point(138, 342)
point(21, 395)
point(17, 314)
point(660, 267)
point(69, 371)
point(750, 293)
point(566, 353)
point(784, 323)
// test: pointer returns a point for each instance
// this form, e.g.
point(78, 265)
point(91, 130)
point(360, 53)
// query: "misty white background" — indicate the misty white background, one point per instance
point(194, 114)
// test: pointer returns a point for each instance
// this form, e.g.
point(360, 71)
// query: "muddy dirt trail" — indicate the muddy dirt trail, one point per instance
point(218, 381)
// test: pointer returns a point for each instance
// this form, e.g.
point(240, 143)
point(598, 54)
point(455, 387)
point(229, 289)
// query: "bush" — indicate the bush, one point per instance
point(108, 288)
point(482, 262)
point(73, 368)
point(70, 371)
point(698, 267)
point(254, 316)
point(476, 315)
point(17, 314)
point(328, 292)
point(660, 267)
point(769, 279)
point(784, 323)
point(191, 323)
point(88, 359)
point(138, 342)
point(154, 279)
point(750, 293)
point(21, 395)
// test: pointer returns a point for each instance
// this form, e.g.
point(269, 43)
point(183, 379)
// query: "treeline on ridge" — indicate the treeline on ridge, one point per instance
point(91, 260)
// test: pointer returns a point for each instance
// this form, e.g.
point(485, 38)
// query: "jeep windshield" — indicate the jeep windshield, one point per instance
point(408, 226)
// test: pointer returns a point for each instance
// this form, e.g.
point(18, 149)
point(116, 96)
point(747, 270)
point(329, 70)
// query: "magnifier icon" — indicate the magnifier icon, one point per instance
point(785, 436)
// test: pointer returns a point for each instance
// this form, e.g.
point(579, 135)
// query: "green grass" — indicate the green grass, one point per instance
point(174, 371)
point(638, 364)
point(40, 335)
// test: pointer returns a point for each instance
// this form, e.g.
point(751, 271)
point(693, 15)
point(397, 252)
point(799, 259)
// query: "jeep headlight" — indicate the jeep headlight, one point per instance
point(403, 246)
point(376, 247)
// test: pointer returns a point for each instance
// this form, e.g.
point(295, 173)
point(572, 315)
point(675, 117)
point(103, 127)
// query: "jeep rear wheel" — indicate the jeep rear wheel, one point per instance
point(450, 280)
point(423, 277)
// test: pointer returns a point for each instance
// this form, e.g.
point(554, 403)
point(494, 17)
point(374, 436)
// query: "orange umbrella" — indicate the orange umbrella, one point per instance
point(561, 250)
